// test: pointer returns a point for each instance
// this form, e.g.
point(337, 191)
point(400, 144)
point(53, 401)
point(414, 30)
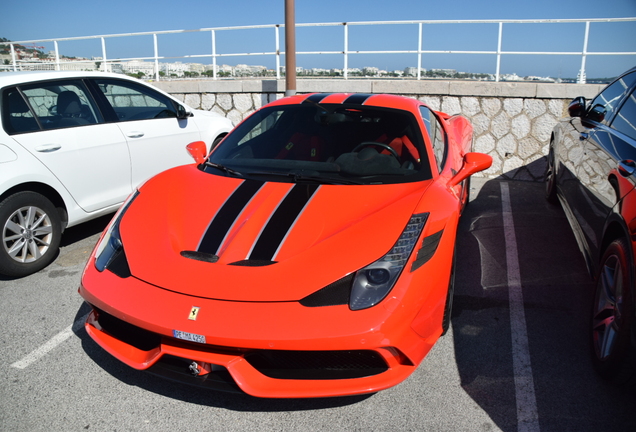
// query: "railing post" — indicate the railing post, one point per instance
point(346, 51)
point(419, 54)
point(154, 39)
point(13, 59)
point(213, 54)
point(582, 78)
point(499, 52)
point(104, 59)
point(277, 32)
point(57, 56)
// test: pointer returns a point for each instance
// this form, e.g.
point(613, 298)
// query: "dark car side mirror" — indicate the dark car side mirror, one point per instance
point(577, 107)
point(596, 113)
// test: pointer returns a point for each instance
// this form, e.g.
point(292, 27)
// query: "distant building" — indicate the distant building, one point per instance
point(370, 71)
point(137, 66)
point(412, 71)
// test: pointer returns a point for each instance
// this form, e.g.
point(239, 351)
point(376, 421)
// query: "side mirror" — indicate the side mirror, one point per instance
point(473, 163)
point(198, 151)
point(577, 107)
point(596, 114)
point(182, 112)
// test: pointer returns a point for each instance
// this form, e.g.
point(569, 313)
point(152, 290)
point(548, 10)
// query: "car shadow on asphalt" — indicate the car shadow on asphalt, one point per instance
point(557, 293)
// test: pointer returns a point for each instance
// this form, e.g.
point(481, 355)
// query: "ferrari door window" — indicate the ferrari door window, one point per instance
point(611, 97)
point(625, 120)
point(436, 134)
point(131, 101)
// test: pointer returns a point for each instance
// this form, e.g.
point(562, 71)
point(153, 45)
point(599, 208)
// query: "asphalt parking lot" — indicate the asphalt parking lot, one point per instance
point(515, 358)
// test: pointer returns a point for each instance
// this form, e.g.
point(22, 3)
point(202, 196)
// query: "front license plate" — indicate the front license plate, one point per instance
point(188, 336)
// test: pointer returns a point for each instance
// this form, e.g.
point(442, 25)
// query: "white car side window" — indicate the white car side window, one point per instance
point(50, 105)
point(136, 102)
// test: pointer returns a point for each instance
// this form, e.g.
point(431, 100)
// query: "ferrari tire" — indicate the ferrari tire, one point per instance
point(466, 195)
point(448, 307)
point(30, 233)
point(550, 179)
point(612, 326)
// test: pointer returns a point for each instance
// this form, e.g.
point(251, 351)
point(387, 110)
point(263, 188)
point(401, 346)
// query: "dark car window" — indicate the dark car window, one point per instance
point(611, 97)
point(436, 134)
point(48, 105)
point(625, 120)
point(132, 101)
point(326, 144)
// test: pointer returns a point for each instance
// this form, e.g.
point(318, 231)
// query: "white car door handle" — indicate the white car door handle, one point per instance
point(46, 148)
point(135, 134)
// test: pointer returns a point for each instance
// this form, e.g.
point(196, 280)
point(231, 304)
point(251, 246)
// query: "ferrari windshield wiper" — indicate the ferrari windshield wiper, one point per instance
point(223, 168)
point(323, 180)
point(299, 177)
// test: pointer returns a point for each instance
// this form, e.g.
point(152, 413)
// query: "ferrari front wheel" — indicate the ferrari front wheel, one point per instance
point(30, 233)
point(613, 354)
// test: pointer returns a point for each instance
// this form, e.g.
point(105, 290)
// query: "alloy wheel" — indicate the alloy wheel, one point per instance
point(608, 306)
point(27, 234)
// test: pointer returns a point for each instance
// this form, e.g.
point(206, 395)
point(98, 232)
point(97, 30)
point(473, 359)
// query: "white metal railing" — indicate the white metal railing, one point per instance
point(346, 52)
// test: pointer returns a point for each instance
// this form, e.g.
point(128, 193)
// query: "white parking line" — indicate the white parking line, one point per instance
point(50, 345)
point(527, 415)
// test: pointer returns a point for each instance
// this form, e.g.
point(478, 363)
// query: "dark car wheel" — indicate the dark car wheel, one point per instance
point(30, 233)
point(613, 315)
point(550, 179)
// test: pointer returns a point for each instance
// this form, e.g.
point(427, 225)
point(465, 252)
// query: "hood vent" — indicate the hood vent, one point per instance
point(252, 263)
point(200, 256)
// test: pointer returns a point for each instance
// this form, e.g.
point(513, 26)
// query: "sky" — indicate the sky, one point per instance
point(40, 19)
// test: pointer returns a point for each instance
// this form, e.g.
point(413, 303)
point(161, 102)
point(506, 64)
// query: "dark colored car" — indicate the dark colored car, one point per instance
point(591, 171)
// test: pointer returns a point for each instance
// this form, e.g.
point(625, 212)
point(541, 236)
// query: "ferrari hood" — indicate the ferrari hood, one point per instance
point(245, 240)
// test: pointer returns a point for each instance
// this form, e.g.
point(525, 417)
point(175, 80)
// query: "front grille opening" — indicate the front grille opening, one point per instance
point(178, 369)
point(128, 333)
point(317, 365)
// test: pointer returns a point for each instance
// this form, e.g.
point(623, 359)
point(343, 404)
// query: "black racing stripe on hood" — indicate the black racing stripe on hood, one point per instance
point(226, 216)
point(316, 98)
point(358, 98)
point(282, 221)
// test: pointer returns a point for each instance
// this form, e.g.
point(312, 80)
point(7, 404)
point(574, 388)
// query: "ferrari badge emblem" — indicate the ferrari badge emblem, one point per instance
point(194, 312)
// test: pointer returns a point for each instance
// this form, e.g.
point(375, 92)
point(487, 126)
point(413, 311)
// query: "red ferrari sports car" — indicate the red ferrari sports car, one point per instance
point(310, 254)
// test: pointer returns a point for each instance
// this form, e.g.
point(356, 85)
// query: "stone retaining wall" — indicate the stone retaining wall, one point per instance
point(512, 121)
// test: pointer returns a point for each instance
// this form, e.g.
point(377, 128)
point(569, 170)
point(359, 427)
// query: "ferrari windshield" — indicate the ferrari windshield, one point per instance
point(327, 143)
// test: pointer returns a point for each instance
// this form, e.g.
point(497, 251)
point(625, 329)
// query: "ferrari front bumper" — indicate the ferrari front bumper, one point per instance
point(287, 374)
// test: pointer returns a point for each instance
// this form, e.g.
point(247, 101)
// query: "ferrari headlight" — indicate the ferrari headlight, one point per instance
point(372, 283)
point(111, 243)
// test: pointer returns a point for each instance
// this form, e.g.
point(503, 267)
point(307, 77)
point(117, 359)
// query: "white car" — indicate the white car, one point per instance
point(74, 145)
